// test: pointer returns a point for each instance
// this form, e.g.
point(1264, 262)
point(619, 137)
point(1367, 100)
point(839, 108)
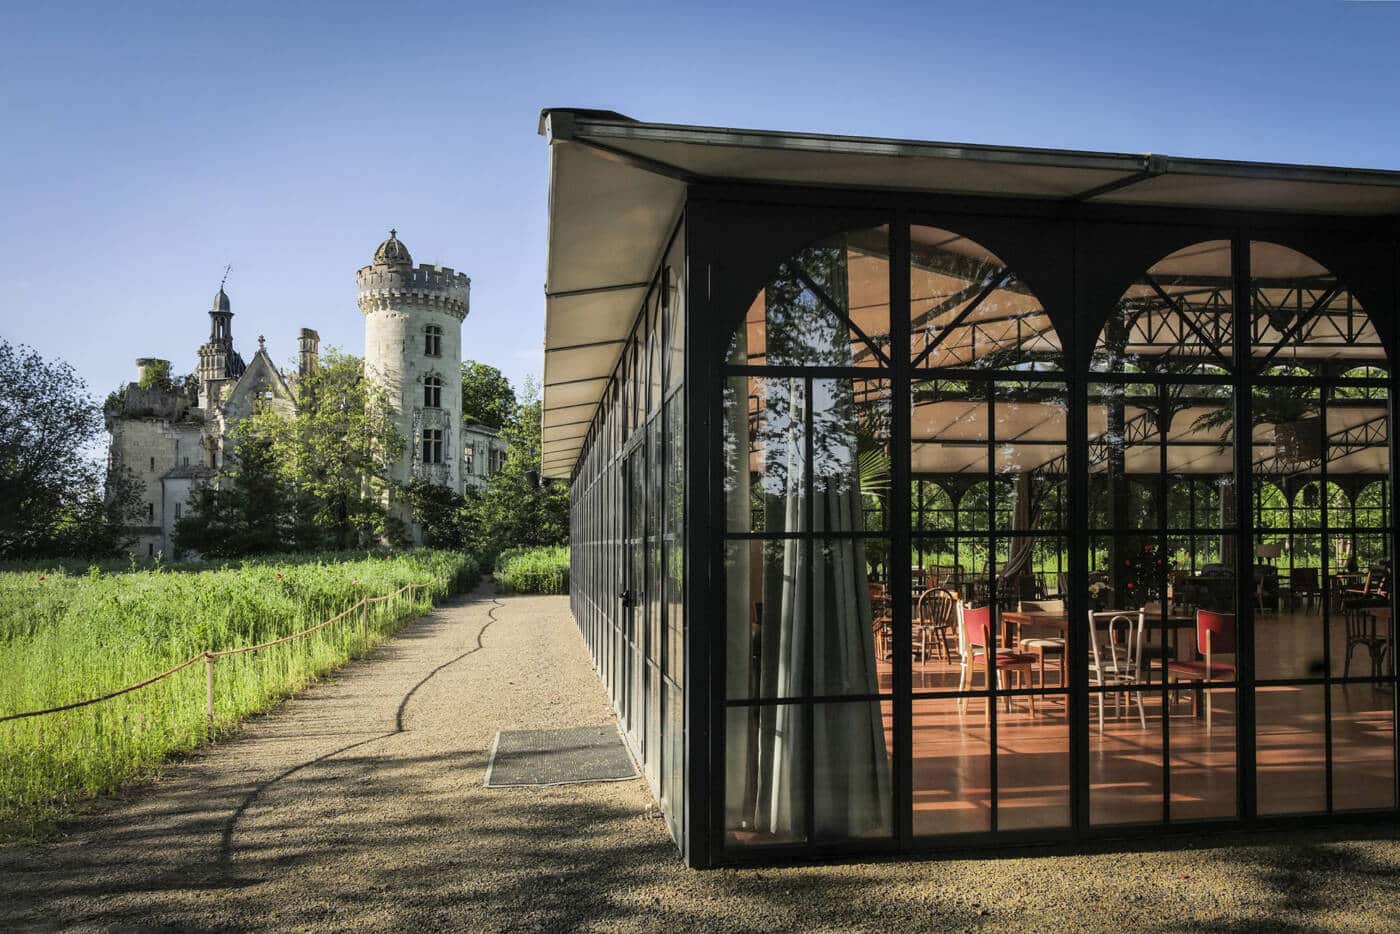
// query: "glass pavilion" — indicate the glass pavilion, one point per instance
point(932, 495)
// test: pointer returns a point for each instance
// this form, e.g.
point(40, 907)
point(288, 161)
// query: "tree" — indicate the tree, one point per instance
point(251, 508)
point(336, 452)
point(316, 479)
point(51, 485)
point(444, 515)
point(517, 507)
point(486, 395)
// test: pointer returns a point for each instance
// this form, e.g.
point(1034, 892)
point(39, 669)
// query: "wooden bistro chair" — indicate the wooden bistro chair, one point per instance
point(1042, 645)
point(1303, 585)
point(1362, 629)
point(936, 622)
point(1215, 636)
point(975, 625)
point(1116, 656)
point(880, 622)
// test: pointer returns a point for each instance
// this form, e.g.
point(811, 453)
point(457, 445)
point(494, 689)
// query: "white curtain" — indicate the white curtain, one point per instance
point(765, 775)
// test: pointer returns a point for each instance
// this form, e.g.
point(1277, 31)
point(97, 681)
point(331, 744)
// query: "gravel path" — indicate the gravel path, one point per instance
point(360, 805)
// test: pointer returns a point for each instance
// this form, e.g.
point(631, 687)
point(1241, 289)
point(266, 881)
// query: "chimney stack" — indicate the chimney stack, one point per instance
point(309, 347)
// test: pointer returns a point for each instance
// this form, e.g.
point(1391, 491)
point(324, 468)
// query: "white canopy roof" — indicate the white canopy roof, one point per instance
point(617, 186)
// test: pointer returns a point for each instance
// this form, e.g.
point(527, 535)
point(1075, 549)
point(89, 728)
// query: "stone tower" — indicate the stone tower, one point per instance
point(218, 361)
point(413, 349)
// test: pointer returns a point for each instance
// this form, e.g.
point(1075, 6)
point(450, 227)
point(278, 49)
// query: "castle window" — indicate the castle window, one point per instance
point(432, 392)
point(151, 511)
point(469, 457)
point(432, 341)
point(432, 445)
point(177, 510)
point(153, 463)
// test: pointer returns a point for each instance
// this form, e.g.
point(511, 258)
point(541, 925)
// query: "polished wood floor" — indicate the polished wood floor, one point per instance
point(1131, 779)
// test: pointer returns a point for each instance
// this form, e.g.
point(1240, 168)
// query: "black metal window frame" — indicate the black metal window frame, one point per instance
point(711, 208)
point(623, 532)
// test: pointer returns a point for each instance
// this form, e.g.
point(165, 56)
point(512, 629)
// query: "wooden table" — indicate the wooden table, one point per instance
point(1175, 621)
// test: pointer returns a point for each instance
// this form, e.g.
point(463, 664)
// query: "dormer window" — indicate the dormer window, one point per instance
point(432, 340)
point(432, 392)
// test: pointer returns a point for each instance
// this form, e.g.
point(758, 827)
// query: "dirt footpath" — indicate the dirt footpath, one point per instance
point(360, 805)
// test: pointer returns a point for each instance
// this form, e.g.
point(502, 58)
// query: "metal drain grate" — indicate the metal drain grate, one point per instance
point(558, 757)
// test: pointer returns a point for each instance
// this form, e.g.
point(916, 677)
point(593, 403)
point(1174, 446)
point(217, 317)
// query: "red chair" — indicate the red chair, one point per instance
point(1215, 636)
point(979, 622)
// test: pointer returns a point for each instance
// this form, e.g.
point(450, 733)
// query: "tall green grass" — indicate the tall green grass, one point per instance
point(65, 637)
point(534, 570)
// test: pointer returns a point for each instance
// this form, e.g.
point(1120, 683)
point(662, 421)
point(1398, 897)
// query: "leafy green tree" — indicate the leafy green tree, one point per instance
point(251, 509)
point(518, 508)
point(51, 484)
point(316, 479)
point(486, 395)
point(445, 516)
point(335, 453)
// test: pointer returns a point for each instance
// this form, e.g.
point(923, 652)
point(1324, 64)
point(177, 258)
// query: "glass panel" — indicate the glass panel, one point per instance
point(1033, 763)
point(850, 454)
point(1200, 457)
point(852, 770)
point(765, 772)
point(968, 310)
point(948, 430)
point(827, 305)
point(1177, 318)
point(1029, 434)
point(652, 747)
point(1363, 636)
point(933, 506)
point(1203, 761)
point(654, 352)
point(675, 541)
point(1125, 457)
point(765, 454)
point(767, 618)
point(1301, 311)
point(846, 630)
point(674, 283)
point(673, 763)
point(1363, 747)
point(1290, 750)
point(1288, 643)
point(952, 767)
point(939, 581)
point(1125, 753)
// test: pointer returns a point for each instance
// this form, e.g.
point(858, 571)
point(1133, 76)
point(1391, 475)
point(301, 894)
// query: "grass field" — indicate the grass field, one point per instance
point(68, 636)
point(534, 570)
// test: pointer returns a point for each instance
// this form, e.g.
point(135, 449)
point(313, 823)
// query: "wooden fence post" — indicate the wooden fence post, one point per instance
point(209, 694)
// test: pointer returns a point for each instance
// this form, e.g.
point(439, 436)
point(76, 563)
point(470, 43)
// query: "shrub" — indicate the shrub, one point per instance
point(534, 570)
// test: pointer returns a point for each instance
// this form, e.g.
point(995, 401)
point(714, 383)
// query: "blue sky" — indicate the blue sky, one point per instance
point(148, 145)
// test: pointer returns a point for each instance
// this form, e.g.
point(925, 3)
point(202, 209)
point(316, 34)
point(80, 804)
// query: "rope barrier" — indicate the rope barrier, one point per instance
point(210, 657)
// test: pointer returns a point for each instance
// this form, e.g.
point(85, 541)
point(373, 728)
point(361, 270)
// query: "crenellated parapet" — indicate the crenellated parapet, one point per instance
point(391, 288)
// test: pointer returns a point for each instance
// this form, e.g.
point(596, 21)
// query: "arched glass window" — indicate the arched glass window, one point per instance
point(806, 490)
point(988, 421)
point(1164, 501)
point(968, 309)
